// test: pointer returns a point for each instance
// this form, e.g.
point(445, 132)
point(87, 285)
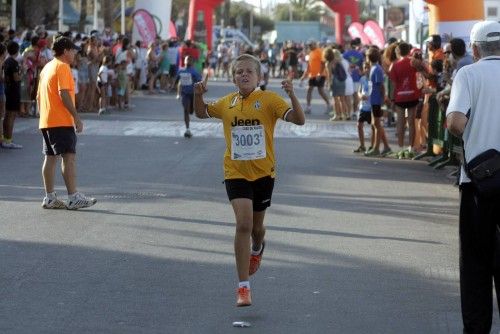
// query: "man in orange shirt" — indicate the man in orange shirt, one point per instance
point(58, 121)
point(316, 73)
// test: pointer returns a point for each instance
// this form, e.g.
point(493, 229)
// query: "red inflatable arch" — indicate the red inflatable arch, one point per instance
point(342, 9)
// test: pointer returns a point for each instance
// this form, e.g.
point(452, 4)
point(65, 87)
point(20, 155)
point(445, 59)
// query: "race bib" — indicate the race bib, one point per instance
point(186, 79)
point(248, 142)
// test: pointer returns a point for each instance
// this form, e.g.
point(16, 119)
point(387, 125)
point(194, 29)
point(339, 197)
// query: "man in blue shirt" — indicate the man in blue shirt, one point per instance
point(355, 58)
point(186, 78)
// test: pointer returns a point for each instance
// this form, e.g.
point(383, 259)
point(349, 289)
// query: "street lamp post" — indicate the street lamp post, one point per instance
point(95, 14)
point(123, 18)
point(13, 14)
point(61, 13)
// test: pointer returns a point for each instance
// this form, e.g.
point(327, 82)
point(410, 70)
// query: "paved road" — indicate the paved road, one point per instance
point(354, 245)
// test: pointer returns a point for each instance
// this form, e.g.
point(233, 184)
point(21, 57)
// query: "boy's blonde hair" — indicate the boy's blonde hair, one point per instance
point(244, 57)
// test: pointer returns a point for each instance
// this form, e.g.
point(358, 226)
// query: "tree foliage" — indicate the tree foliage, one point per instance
point(301, 10)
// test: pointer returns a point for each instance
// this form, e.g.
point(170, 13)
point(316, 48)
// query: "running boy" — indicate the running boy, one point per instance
point(249, 117)
point(186, 78)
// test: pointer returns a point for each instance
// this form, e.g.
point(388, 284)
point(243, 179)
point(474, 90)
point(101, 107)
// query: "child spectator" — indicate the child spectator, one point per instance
point(12, 74)
point(112, 85)
point(377, 98)
point(102, 84)
point(122, 79)
point(83, 82)
point(365, 108)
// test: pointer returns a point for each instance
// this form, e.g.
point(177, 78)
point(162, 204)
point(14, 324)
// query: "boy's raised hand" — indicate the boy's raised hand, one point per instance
point(201, 86)
point(287, 85)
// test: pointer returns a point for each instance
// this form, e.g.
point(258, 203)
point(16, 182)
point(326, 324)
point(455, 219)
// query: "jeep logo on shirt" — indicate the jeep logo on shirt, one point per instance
point(244, 122)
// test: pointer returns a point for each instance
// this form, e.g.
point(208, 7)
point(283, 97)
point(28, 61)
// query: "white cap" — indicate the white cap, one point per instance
point(485, 31)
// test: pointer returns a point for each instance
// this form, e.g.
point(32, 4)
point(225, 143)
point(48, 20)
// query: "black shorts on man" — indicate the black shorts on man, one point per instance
point(365, 117)
point(377, 110)
point(317, 82)
point(259, 191)
point(188, 102)
point(59, 140)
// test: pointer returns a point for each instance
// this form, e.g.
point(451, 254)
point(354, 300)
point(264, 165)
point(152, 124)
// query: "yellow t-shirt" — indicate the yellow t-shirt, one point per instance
point(55, 76)
point(257, 114)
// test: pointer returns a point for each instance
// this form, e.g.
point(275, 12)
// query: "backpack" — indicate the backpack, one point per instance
point(339, 72)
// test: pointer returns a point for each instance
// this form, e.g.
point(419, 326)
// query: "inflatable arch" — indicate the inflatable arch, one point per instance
point(205, 8)
point(448, 19)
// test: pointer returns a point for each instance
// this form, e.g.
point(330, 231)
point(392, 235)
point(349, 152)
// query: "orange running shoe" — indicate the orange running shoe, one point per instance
point(255, 261)
point(244, 297)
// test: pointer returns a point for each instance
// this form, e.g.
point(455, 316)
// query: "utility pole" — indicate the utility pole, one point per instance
point(122, 21)
point(60, 18)
point(13, 14)
point(95, 15)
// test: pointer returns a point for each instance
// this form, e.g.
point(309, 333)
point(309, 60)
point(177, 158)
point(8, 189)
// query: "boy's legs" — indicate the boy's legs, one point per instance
point(400, 126)
point(187, 105)
point(258, 229)
point(8, 124)
point(411, 126)
point(361, 133)
point(243, 212)
point(8, 128)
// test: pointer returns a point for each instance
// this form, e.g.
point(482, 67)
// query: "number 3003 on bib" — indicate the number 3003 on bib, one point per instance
point(248, 142)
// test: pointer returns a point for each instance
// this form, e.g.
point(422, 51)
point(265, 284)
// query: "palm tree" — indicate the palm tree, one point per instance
point(305, 8)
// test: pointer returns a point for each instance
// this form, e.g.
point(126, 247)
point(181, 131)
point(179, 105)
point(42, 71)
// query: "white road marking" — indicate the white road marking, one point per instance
point(208, 129)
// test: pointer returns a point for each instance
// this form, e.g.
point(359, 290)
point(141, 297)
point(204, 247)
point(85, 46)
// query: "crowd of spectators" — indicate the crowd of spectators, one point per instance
point(400, 81)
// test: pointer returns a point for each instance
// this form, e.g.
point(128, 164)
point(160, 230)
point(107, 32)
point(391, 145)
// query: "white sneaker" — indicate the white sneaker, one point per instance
point(188, 133)
point(308, 110)
point(12, 145)
point(54, 203)
point(80, 201)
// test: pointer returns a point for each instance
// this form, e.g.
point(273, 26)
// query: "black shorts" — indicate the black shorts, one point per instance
point(13, 103)
point(317, 82)
point(59, 140)
point(407, 105)
point(365, 117)
point(259, 191)
point(377, 110)
point(188, 102)
point(172, 71)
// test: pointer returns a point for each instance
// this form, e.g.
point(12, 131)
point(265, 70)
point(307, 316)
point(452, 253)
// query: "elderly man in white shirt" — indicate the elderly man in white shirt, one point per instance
point(474, 114)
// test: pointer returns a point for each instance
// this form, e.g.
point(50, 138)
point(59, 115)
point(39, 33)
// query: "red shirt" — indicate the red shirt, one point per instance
point(188, 51)
point(404, 78)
